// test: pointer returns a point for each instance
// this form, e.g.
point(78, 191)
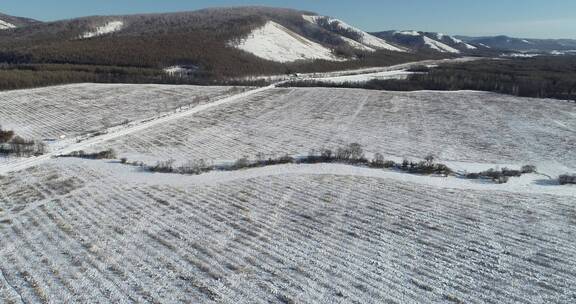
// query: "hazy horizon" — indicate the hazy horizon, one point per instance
point(531, 19)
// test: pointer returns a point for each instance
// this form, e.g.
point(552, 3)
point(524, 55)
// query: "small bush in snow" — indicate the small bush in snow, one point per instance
point(5, 136)
point(498, 176)
point(163, 166)
point(405, 164)
point(352, 153)
point(195, 167)
point(326, 155)
point(528, 169)
point(356, 152)
point(511, 173)
point(241, 163)
point(378, 161)
point(389, 164)
point(567, 179)
point(428, 167)
point(501, 179)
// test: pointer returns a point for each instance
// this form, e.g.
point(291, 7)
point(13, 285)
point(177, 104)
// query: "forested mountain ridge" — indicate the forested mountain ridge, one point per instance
point(11, 22)
point(204, 38)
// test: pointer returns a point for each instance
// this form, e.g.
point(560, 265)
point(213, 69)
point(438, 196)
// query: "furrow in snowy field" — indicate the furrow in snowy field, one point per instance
point(453, 126)
point(312, 237)
point(84, 142)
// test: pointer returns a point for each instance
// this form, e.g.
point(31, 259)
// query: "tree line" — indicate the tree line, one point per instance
point(543, 77)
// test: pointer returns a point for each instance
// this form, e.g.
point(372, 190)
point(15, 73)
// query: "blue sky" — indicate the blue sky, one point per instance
point(520, 18)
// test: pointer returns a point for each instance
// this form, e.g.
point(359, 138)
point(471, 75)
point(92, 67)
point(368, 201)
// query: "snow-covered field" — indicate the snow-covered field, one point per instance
point(80, 231)
point(72, 110)
point(470, 127)
point(95, 231)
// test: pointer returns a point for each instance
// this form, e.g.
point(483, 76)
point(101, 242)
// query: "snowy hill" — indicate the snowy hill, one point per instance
point(523, 44)
point(218, 42)
point(439, 46)
point(357, 35)
point(452, 41)
point(417, 41)
point(276, 43)
point(10, 22)
point(319, 38)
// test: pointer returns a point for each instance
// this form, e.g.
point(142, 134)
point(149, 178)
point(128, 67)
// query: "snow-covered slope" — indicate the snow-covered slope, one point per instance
point(365, 38)
point(110, 27)
point(439, 46)
point(6, 25)
point(276, 43)
point(418, 40)
point(522, 44)
point(452, 40)
point(408, 33)
point(357, 45)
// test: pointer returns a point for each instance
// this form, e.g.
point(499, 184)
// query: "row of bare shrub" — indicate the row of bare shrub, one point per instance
point(12, 144)
point(567, 179)
point(351, 154)
point(503, 175)
point(106, 154)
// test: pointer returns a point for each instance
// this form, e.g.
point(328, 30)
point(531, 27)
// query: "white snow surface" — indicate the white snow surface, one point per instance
point(86, 141)
point(175, 70)
point(92, 231)
point(521, 55)
point(276, 43)
point(385, 75)
point(357, 45)
point(6, 25)
point(408, 33)
point(439, 46)
point(108, 28)
point(366, 39)
point(468, 46)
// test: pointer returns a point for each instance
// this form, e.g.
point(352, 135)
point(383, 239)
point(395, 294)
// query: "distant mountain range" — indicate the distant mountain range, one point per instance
point(424, 41)
point(429, 41)
point(520, 44)
point(221, 41)
point(225, 41)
